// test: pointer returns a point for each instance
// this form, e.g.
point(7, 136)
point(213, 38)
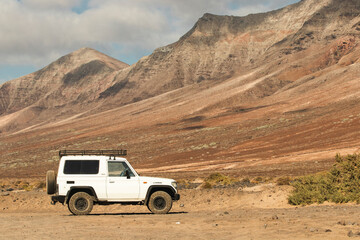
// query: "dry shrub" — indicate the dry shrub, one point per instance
point(220, 179)
point(23, 185)
point(340, 185)
point(246, 181)
point(207, 185)
point(283, 181)
point(17, 183)
point(258, 180)
point(39, 185)
point(217, 179)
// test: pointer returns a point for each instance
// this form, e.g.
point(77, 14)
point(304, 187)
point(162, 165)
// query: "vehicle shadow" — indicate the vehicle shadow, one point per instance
point(129, 214)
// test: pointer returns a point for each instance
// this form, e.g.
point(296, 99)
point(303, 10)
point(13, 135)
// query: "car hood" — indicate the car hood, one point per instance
point(157, 181)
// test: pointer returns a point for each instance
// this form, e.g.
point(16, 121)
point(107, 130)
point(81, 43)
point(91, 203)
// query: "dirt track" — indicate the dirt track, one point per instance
point(259, 212)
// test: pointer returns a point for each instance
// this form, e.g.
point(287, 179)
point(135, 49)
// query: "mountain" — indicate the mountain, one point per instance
point(60, 89)
point(215, 49)
point(220, 47)
point(268, 94)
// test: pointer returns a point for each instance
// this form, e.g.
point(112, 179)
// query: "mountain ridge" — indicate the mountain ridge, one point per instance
point(197, 57)
point(54, 86)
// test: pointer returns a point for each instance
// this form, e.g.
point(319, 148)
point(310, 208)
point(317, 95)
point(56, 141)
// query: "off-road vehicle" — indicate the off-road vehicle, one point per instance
point(88, 177)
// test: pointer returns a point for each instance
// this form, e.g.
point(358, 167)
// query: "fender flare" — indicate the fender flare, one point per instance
point(76, 189)
point(155, 188)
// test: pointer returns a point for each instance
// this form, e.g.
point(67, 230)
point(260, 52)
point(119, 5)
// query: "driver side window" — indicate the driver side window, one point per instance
point(118, 169)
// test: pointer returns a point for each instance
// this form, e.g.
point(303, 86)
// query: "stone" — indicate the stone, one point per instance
point(342, 222)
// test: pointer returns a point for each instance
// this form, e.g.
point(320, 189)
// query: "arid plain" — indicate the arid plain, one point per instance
point(258, 212)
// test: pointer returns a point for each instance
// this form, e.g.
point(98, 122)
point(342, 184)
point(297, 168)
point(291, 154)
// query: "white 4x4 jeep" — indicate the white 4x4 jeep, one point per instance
point(88, 177)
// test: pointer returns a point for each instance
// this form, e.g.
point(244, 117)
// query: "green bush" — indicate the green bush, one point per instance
point(311, 189)
point(340, 185)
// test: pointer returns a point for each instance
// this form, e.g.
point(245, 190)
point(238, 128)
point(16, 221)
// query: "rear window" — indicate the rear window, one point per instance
point(81, 167)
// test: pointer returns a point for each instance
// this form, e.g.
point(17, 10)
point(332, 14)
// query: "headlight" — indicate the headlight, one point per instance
point(174, 184)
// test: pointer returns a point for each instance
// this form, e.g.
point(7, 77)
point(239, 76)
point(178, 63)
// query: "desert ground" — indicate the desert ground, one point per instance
point(256, 212)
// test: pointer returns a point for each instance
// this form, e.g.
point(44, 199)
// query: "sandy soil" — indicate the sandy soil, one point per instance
point(259, 212)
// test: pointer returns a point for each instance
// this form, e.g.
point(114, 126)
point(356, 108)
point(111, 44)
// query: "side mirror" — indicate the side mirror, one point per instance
point(127, 173)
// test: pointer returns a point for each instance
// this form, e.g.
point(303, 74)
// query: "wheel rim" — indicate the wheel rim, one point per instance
point(159, 203)
point(81, 204)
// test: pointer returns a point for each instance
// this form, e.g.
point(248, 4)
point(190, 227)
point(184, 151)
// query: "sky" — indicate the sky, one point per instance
point(35, 33)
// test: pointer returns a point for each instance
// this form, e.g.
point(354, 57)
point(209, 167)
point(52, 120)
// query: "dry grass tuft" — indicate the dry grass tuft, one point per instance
point(216, 179)
point(283, 181)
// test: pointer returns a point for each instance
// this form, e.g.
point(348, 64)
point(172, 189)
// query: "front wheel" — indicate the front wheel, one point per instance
point(81, 203)
point(160, 202)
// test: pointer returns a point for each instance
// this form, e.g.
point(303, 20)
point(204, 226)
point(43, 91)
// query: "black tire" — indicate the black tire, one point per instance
point(50, 182)
point(160, 202)
point(81, 203)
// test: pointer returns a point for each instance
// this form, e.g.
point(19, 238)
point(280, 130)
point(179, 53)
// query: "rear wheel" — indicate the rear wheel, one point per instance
point(50, 182)
point(81, 203)
point(160, 202)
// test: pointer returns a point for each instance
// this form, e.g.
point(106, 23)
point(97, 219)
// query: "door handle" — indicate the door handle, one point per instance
point(111, 181)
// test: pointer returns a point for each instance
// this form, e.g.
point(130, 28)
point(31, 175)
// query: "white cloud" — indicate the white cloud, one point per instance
point(37, 32)
point(50, 4)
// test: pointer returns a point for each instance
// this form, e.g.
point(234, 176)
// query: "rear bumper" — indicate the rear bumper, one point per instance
point(176, 197)
point(57, 198)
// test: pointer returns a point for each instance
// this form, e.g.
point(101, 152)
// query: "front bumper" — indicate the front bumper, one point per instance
point(176, 197)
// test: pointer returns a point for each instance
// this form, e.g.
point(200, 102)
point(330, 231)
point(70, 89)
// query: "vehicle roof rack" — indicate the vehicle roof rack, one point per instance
point(113, 153)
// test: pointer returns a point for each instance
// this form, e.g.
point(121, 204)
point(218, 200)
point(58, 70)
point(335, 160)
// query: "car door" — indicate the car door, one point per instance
point(119, 186)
